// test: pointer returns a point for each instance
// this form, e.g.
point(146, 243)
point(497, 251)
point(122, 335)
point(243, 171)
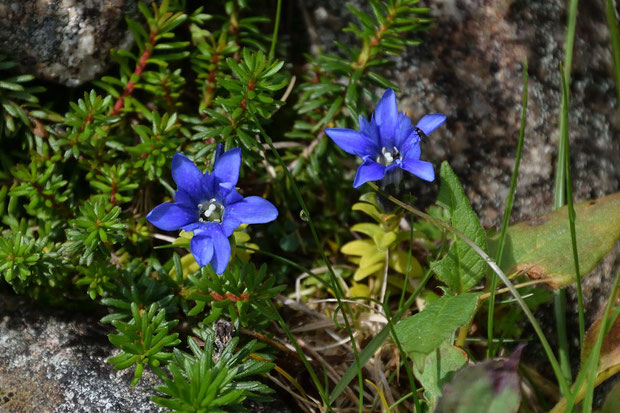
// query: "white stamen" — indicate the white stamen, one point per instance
point(388, 157)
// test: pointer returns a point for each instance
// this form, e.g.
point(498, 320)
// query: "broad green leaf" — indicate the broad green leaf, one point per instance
point(438, 368)
point(461, 268)
point(423, 332)
point(542, 247)
point(487, 387)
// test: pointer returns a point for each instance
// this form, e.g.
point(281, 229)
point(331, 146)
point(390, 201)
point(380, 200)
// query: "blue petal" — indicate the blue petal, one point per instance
point(221, 245)
point(251, 210)
point(431, 122)
point(386, 115)
point(370, 129)
point(368, 171)
point(208, 187)
point(201, 246)
point(219, 150)
point(171, 217)
point(184, 199)
point(186, 175)
point(230, 224)
point(352, 141)
point(193, 227)
point(420, 169)
point(403, 132)
point(227, 194)
point(226, 167)
point(393, 167)
point(410, 149)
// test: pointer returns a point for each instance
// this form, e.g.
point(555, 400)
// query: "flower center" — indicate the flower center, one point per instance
point(388, 157)
point(211, 211)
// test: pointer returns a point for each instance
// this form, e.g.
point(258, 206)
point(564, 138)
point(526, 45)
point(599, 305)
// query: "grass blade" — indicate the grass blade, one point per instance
point(559, 192)
point(507, 211)
point(571, 210)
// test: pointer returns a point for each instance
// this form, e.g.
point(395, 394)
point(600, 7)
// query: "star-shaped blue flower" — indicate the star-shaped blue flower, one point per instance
point(387, 142)
point(210, 206)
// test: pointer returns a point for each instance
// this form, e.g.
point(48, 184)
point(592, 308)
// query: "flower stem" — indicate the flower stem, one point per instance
point(274, 38)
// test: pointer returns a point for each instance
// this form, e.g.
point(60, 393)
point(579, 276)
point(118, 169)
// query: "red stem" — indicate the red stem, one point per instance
point(146, 54)
point(88, 119)
point(230, 296)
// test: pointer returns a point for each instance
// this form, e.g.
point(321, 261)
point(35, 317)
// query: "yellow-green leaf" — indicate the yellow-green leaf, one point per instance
point(367, 228)
point(382, 238)
point(359, 290)
point(241, 237)
point(369, 210)
point(398, 262)
point(363, 272)
point(372, 258)
point(385, 239)
point(359, 247)
point(188, 264)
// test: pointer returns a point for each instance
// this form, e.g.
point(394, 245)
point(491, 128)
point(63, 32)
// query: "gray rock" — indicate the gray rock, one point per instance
point(469, 67)
point(64, 41)
point(53, 361)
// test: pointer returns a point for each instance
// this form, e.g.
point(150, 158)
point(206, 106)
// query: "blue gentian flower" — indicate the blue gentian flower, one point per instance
point(388, 142)
point(209, 205)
